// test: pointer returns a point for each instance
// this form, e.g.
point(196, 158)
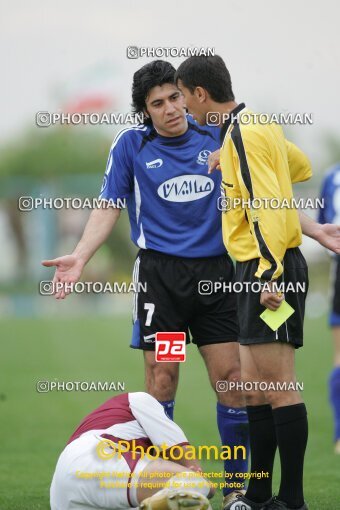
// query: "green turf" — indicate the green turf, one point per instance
point(35, 426)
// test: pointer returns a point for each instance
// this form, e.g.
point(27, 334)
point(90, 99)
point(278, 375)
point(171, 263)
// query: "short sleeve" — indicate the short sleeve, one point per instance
point(299, 165)
point(118, 177)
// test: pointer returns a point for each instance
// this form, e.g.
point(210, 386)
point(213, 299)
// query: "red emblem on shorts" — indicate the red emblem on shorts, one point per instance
point(170, 346)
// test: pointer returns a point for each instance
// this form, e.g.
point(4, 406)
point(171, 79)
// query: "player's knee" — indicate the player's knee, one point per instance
point(227, 388)
point(231, 375)
point(165, 379)
point(234, 374)
point(161, 381)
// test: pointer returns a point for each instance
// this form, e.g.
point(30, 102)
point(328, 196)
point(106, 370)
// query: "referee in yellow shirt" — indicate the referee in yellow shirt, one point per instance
point(263, 233)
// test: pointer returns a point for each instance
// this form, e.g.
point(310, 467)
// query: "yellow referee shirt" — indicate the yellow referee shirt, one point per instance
point(258, 168)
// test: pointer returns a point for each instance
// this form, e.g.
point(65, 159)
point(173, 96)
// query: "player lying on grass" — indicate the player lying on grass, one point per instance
point(259, 164)
point(91, 475)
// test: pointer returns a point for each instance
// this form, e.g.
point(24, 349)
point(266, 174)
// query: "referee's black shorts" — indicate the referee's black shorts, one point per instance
point(253, 330)
point(174, 299)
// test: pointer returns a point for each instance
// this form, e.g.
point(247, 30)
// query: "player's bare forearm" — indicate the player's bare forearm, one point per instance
point(308, 225)
point(69, 267)
point(327, 235)
point(97, 230)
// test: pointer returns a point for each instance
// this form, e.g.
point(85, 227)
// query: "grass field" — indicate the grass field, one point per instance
point(35, 426)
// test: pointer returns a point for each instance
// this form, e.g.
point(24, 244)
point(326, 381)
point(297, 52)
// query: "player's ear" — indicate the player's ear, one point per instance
point(146, 114)
point(201, 94)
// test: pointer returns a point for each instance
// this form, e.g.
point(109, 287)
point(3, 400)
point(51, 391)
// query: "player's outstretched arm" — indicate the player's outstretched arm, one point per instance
point(70, 267)
point(326, 234)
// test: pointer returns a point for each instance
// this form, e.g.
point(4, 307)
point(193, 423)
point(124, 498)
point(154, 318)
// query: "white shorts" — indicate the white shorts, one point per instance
point(71, 491)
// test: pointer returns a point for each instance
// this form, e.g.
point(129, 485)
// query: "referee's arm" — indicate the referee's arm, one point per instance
point(300, 168)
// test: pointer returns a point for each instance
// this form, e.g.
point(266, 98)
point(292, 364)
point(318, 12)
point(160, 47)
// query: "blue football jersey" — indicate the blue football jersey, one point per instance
point(172, 201)
point(330, 193)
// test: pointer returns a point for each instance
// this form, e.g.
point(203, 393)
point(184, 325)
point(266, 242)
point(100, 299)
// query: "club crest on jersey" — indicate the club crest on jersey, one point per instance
point(186, 188)
point(202, 158)
point(156, 163)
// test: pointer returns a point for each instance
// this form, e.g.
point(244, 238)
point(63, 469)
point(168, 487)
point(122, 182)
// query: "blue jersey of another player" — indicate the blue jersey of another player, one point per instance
point(330, 193)
point(172, 201)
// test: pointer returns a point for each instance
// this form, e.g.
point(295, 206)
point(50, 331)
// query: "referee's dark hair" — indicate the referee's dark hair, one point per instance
point(209, 73)
point(155, 73)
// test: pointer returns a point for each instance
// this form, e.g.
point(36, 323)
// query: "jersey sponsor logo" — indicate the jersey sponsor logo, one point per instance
point(156, 163)
point(186, 188)
point(170, 346)
point(202, 158)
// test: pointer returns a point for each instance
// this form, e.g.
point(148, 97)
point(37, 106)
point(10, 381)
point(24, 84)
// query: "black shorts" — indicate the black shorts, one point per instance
point(253, 330)
point(172, 301)
point(334, 318)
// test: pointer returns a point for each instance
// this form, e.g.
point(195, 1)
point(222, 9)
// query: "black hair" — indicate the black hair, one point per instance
point(155, 73)
point(210, 73)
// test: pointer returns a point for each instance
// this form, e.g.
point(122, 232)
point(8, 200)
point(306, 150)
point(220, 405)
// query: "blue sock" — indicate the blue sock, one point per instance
point(334, 397)
point(233, 427)
point(169, 406)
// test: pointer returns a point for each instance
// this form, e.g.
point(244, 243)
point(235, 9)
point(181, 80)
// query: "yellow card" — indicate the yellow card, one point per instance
point(275, 319)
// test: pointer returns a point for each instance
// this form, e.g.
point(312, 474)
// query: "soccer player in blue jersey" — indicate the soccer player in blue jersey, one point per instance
point(160, 168)
point(330, 213)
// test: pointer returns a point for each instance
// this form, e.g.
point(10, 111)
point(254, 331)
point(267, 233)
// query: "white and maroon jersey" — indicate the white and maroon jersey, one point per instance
point(129, 416)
